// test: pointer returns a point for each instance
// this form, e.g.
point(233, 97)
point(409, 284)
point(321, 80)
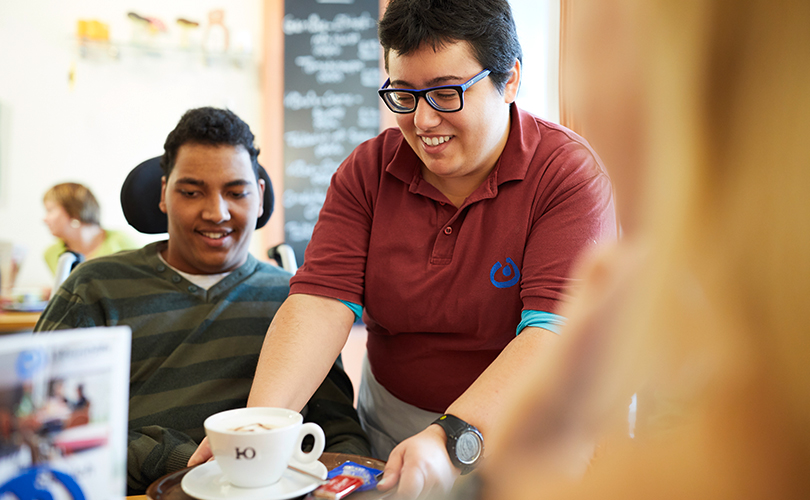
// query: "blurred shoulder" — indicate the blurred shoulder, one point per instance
point(121, 240)
point(120, 265)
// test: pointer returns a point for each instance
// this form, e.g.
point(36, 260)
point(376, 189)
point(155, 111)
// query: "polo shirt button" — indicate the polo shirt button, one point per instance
point(161, 268)
point(176, 278)
point(192, 288)
point(448, 230)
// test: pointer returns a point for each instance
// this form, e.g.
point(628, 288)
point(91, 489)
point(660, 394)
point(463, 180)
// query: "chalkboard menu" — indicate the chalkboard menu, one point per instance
point(331, 77)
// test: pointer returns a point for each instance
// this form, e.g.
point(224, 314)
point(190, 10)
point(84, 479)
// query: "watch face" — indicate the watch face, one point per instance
point(468, 447)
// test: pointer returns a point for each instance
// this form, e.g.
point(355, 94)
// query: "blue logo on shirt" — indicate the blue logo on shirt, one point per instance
point(507, 271)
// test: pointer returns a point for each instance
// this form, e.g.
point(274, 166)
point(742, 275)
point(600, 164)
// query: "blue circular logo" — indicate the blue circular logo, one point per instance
point(507, 272)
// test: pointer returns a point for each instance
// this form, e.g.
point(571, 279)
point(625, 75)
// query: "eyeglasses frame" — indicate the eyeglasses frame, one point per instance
point(460, 89)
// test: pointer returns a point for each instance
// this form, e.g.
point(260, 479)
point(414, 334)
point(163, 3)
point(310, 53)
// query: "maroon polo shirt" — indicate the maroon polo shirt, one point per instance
point(443, 288)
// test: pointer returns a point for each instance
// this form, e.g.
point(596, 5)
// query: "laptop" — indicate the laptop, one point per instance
point(64, 398)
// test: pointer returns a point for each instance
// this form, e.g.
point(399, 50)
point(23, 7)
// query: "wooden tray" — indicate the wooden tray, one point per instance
point(168, 487)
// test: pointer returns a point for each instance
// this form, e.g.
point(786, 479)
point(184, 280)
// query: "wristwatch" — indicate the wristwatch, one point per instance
point(465, 444)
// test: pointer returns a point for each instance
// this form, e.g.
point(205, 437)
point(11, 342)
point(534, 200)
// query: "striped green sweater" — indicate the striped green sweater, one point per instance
point(194, 352)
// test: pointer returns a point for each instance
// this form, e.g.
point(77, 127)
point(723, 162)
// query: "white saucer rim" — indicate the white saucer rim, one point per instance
point(250, 493)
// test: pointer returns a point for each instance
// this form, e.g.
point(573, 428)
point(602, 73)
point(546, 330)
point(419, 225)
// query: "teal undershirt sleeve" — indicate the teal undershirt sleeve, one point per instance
point(540, 319)
point(357, 309)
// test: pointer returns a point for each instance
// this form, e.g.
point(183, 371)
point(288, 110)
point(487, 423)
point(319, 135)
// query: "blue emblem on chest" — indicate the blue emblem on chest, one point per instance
point(510, 269)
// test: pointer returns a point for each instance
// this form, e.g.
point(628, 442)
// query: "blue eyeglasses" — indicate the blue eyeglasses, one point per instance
point(447, 98)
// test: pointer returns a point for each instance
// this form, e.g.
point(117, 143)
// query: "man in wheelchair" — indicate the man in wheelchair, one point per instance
point(198, 304)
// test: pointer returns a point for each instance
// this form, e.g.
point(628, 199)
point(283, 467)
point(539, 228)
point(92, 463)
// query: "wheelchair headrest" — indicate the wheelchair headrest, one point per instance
point(140, 197)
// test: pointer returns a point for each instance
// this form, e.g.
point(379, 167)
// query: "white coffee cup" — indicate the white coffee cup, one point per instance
point(253, 446)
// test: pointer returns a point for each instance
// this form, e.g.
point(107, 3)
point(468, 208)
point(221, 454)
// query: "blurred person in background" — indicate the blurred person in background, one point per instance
point(701, 310)
point(72, 214)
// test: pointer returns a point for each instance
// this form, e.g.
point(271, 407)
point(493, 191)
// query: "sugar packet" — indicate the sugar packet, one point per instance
point(345, 479)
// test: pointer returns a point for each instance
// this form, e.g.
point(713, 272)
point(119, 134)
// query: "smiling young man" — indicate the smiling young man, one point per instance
point(198, 304)
point(453, 235)
point(212, 199)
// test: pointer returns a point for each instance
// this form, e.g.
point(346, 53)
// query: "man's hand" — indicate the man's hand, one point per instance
point(201, 454)
point(420, 466)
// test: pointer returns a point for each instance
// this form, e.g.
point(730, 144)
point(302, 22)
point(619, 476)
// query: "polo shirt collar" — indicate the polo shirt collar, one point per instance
point(512, 165)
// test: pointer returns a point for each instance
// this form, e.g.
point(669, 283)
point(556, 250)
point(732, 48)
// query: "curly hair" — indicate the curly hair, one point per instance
point(212, 127)
point(487, 25)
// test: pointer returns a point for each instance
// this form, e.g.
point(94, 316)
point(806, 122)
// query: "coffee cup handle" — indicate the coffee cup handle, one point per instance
point(313, 429)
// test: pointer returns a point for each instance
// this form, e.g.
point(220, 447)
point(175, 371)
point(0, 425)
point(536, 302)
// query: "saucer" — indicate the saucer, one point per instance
point(206, 482)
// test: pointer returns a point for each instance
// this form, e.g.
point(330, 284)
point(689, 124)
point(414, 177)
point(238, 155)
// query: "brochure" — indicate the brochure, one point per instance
point(64, 398)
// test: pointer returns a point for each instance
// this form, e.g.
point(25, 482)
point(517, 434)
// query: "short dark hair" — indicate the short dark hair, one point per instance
point(487, 25)
point(211, 127)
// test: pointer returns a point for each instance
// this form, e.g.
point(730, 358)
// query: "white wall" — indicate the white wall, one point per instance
point(115, 114)
point(538, 26)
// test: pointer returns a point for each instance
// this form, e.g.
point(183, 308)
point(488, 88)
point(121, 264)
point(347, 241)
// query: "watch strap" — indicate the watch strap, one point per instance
point(453, 428)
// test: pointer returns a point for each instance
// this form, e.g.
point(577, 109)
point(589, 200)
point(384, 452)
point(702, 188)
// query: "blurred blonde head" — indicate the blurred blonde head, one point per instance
point(727, 113)
point(701, 111)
